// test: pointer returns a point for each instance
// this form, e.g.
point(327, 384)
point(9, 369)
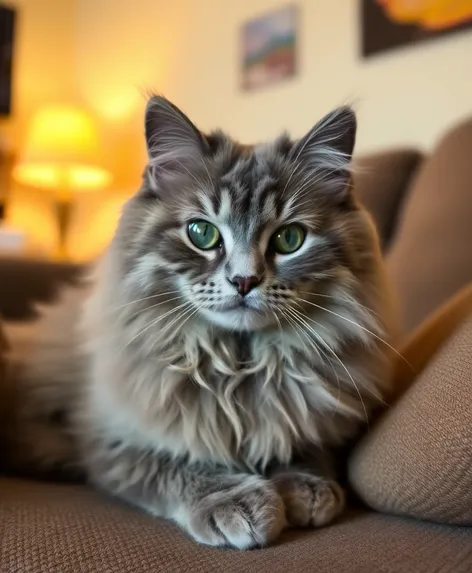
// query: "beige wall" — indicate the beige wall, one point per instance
point(189, 50)
point(121, 50)
point(44, 70)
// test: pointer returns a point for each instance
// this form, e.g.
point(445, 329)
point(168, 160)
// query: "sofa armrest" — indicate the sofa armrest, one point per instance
point(423, 343)
point(25, 282)
point(415, 461)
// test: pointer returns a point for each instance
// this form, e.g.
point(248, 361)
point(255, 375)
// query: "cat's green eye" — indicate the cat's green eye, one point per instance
point(204, 235)
point(288, 239)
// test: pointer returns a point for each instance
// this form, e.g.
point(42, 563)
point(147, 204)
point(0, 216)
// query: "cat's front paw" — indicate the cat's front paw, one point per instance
point(309, 500)
point(243, 513)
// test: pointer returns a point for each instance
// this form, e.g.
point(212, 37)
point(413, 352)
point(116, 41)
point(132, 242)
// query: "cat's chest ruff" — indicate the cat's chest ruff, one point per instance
point(226, 410)
point(261, 411)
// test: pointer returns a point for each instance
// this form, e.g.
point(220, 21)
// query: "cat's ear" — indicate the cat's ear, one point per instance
point(328, 147)
point(172, 140)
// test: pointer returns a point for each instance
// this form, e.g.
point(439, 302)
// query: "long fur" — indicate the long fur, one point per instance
point(166, 393)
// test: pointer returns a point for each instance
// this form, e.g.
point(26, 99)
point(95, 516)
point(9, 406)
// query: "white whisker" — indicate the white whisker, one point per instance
point(341, 298)
point(154, 306)
point(313, 331)
point(318, 351)
point(145, 298)
point(292, 323)
point(172, 322)
point(156, 321)
point(184, 312)
point(305, 317)
point(353, 322)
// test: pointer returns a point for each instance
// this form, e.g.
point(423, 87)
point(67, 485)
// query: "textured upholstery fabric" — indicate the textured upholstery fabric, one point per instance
point(431, 256)
point(381, 180)
point(47, 528)
point(422, 344)
point(418, 459)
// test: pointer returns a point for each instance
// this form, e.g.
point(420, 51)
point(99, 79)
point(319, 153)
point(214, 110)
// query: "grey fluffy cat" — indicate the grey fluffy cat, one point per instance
point(232, 334)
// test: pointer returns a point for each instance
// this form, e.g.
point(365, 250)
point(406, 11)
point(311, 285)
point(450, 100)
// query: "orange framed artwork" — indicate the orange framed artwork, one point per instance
point(389, 24)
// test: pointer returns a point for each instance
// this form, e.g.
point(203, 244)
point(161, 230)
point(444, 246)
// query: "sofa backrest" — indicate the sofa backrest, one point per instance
point(430, 257)
point(422, 207)
point(381, 181)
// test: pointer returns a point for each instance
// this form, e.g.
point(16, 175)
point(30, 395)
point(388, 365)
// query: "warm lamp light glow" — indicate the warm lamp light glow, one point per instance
point(117, 103)
point(61, 152)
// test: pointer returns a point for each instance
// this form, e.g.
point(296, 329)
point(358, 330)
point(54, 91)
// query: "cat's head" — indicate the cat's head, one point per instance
point(238, 233)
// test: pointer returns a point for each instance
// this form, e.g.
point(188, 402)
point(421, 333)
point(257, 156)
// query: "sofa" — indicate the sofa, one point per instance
point(411, 499)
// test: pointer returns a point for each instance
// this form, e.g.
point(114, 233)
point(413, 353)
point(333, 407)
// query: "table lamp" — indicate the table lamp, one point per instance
point(60, 155)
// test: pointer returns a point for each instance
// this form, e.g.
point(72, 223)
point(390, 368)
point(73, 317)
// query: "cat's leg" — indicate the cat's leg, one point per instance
point(311, 496)
point(216, 507)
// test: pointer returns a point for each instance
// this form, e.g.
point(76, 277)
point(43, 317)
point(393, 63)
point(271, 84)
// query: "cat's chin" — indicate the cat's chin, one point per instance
point(240, 319)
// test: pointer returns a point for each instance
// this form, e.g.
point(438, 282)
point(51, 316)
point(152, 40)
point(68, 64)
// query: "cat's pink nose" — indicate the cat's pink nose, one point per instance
point(245, 284)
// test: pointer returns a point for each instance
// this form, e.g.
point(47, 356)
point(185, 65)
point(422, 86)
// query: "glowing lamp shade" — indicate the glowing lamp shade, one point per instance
point(60, 155)
point(61, 151)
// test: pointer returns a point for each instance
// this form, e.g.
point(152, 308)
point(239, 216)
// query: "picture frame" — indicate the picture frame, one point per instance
point(269, 46)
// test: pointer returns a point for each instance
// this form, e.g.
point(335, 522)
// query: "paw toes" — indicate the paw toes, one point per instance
point(328, 503)
point(310, 500)
point(235, 526)
point(239, 518)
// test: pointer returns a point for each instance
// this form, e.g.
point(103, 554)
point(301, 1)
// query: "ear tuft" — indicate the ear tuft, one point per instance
point(172, 140)
point(328, 147)
point(334, 135)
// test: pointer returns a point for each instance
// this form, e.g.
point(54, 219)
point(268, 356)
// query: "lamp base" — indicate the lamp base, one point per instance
point(64, 209)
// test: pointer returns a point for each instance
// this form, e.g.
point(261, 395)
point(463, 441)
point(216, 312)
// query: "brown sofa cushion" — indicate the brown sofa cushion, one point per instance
point(381, 180)
point(49, 528)
point(431, 257)
point(418, 459)
point(25, 282)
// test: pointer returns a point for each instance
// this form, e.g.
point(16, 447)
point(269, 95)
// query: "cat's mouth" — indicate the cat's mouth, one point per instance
point(240, 314)
point(243, 305)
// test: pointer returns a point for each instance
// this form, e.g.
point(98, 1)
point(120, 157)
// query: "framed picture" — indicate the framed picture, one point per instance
point(269, 48)
point(389, 24)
